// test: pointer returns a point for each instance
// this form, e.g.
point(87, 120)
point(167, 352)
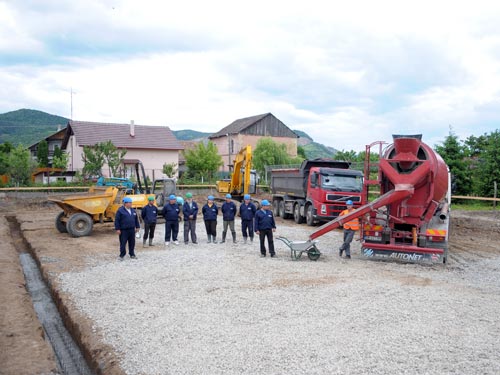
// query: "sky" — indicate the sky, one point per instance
point(348, 73)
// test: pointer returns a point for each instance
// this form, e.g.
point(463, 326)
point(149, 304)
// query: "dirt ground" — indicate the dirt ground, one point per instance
point(474, 235)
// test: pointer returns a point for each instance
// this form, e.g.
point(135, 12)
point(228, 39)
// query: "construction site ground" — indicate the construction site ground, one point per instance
point(29, 226)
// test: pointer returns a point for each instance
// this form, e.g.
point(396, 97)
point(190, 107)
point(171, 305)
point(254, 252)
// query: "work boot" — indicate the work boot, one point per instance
point(244, 240)
point(143, 243)
point(223, 237)
point(209, 238)
point(151, 242)
point(214, 240)
point(251, 239)
point(234, 237)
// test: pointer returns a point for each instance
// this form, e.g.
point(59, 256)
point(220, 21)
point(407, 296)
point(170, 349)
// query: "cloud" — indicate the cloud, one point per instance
point(346, 73)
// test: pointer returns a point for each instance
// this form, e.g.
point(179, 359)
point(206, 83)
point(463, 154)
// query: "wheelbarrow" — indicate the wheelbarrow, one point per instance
point(299, 247)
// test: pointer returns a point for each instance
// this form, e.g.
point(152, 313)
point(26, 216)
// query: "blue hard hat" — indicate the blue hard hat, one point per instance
point(127, 200)
point(247, 196)
point(210, 197)
point(265, 202)
point(180, 200)
point(349, 202)
point(228, 196)
point(172, 197)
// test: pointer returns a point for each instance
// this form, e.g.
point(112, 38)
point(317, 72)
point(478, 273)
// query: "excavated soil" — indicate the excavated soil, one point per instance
point(475, 236)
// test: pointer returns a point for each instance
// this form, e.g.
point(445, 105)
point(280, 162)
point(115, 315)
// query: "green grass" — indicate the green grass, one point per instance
point(472, 205)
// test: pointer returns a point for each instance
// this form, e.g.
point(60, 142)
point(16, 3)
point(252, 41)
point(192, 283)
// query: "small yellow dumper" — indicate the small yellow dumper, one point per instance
point(98, 205)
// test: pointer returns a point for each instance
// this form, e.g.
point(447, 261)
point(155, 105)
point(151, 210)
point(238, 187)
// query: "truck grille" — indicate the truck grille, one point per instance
point(342, 198)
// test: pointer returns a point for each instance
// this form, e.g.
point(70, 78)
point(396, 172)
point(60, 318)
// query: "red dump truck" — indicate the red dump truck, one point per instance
point(410, 219)
point(317, 191)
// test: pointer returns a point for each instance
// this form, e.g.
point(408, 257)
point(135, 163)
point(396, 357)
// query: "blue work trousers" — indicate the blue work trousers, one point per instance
point(127, 235)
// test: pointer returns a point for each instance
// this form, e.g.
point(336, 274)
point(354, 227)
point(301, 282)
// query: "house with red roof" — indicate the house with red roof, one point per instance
point(152, 145)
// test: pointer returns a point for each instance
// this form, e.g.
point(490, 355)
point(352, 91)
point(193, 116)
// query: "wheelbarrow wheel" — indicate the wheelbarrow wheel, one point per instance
point(79, 225)
point(61, 225)
point(313, 254)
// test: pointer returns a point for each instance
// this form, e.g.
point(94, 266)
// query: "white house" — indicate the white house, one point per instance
point(152, 145)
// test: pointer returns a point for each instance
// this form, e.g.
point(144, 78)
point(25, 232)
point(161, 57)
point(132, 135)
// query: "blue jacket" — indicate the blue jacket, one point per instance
point(264, 220)
point(171, 212)
point(124, 220)
point(247, 211)
point(228, 210)
point(186, 210)
point(149, 213)
point(210, 213)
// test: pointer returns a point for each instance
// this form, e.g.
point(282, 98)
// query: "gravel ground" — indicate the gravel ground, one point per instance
point(220, 309)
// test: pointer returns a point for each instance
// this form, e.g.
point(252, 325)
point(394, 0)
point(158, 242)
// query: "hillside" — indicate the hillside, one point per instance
point(189, 135)
point(27, 126)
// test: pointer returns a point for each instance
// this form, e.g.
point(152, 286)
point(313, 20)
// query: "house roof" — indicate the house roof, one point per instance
point(59, 134)
point(245, 124)
point(145, 136)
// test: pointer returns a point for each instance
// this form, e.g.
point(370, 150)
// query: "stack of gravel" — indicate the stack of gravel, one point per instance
point(221, 309)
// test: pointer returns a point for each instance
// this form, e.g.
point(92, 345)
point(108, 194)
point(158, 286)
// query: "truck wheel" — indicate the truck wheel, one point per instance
point(276, 211)
point(79, 225)
point(309, 215)
point(296, 214)
point(61, 225)
point(282, 209)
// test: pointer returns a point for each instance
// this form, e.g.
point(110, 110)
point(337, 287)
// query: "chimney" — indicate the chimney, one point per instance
point(132, 128)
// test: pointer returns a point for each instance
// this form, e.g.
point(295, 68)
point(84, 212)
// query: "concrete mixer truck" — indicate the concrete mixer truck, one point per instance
point(410, 219)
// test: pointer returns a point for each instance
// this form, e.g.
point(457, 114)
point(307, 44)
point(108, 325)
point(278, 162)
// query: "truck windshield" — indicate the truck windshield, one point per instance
point(342, 182)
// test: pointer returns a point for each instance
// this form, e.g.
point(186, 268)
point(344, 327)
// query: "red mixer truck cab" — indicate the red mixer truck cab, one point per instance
point(317, 191)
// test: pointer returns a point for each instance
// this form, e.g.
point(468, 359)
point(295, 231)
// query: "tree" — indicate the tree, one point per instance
point(301, 152)
point(112, 156)
point(203, 160)
point(268, 152)
point(60, 160)
point(93, 160)
point(170, 169)
point(454, 154)
point(346, 155)
point(57, 151)
point(42, 154)
point(20, 166)
point(488, 168)
point(5, 150)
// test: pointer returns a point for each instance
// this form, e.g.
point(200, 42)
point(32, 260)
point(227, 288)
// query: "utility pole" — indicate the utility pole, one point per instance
point(228, 153)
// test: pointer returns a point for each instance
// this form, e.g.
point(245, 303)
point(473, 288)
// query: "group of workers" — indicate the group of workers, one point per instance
point(253, 220)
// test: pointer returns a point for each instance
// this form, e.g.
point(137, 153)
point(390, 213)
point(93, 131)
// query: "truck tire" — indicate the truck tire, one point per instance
point(61, 225)
point(281, 209)
point(283, 213)
point(309, 215)
point(296, 214)
point(276, 204)
point(79, 225)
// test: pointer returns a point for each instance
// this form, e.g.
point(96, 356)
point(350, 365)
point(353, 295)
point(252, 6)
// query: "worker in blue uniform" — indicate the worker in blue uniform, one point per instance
point(171, 212)
point(229, 211)
point(190, 211)
point(264, 227)
point(210, 211)
point(126, 225)
point(247, 214)
point(149, 214)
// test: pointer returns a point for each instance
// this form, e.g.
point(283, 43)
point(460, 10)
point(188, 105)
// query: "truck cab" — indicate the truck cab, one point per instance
point(317, 191)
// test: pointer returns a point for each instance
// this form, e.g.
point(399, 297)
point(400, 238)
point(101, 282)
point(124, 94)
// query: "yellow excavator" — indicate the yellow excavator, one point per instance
point(243, 178)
